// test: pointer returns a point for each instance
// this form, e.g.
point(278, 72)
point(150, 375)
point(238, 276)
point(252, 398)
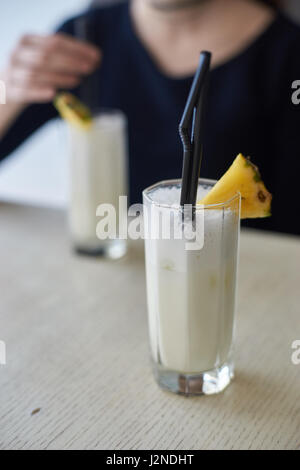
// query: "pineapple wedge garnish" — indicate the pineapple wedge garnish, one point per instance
point(73, 111)
point(242, 177)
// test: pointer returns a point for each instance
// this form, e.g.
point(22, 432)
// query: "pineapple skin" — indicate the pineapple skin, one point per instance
point(242, 177)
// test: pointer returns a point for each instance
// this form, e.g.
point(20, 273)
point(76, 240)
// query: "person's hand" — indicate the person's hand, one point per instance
point(41, 65)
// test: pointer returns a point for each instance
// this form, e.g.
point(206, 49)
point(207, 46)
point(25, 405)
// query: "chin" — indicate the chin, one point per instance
point(170, 4)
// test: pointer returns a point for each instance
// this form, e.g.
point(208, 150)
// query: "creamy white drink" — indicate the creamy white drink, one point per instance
point(98, 175)
point(191, 294)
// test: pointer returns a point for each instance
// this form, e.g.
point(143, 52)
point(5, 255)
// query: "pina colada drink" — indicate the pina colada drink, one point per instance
point(98, 176)
point(191, 292)
point(191, 288)
point(98, 151)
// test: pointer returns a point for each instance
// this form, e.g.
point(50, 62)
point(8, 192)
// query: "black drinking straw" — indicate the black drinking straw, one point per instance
point(191, 131)
point(88, 89)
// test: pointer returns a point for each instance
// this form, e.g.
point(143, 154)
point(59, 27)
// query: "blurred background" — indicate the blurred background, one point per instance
point(37, 173)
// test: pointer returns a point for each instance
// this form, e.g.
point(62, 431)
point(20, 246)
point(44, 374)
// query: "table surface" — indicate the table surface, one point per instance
point(78, 374)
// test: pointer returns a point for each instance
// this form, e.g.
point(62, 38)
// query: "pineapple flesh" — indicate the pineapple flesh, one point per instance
point(73, 111)
point(242, 177)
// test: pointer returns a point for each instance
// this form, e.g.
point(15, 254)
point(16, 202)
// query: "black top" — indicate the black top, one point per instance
point(249, 110)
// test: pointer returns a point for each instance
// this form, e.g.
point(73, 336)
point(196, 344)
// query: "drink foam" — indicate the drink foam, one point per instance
point(170, 195)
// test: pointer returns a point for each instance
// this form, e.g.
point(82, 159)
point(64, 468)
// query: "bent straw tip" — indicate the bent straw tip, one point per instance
point(205, 55)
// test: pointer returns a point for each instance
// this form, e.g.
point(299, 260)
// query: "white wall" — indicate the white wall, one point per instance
point(37, 172)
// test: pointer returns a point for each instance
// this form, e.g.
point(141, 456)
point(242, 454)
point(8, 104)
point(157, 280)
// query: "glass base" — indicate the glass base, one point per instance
point(112, 249)
point(203, 383)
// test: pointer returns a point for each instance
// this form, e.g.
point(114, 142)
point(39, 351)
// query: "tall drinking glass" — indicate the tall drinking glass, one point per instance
point(191, 289)
point(98, 176)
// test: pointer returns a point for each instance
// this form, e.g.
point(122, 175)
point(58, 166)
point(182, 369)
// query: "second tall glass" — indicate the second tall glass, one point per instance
point(98, 176)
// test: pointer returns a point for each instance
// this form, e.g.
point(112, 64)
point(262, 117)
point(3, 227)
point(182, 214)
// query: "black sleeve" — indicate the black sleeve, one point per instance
point(26, 124)
point(286, 198)
point(281, 166)
point(32, 118)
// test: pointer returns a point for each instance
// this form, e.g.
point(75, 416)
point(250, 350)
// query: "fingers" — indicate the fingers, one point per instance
point(39, 60)
point(73, 46)
point(56, 53)
point(29, 78)
point(64, 43)
point(31, 95)
point(40, 65)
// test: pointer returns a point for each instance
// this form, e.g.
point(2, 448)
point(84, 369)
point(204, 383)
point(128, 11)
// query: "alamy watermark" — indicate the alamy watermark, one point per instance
point(2, 92)
point(151, 222)
point(296, 93)
point(2, 353)
point(295, 357)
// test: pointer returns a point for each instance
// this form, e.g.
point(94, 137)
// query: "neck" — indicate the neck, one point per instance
point(169, 13)
point(174, 31)
point(182, 15)
point(175, 5)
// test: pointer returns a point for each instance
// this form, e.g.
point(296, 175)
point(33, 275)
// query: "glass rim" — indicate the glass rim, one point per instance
point(107, 111)
point(198, 207)
point(117, 115)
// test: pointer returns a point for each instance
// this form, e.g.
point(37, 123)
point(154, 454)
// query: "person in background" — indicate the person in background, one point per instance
point(142, 57)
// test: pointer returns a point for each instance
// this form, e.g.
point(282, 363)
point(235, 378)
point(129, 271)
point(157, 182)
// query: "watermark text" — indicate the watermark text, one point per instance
point(295, 358)
point(151, 222)
point(2, 353)
point(2, 92)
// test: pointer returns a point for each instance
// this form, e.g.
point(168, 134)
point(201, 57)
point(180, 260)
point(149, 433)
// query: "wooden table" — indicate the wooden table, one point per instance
point(77, 349)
